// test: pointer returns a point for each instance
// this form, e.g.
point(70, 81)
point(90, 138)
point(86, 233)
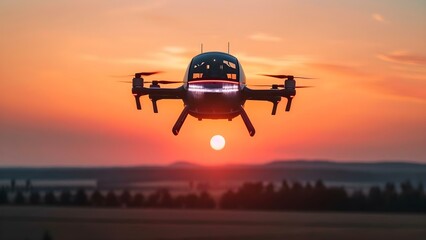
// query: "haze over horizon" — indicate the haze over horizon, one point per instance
point(242, 163)
point(60, 105)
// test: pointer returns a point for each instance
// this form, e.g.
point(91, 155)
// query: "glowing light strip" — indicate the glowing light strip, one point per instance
point(213, 81)
point(224, 89)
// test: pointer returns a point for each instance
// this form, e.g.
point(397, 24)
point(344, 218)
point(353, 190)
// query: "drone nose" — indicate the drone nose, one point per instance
point(213, 87)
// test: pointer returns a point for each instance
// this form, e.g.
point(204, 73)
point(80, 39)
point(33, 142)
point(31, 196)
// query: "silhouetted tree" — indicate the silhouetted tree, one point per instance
point(65, 198)
point(422, 198)
point(49, 198)
point(165, 199)
point(205, 201)
point(111, 199)
point(268, 197)
point(390, 197)
point(153, 199)
point(299, 197)
point(19, 198)
point(307, 195)
point(97, 199)
point(80, 198)
point(319, 196)
point(337, 199)
point(250, 195)
point(319, 185)
point(28, 184)
point(125, 198)
point(411, 198)
point(375, 199)
point(358, 201)
point(3, 196)
point(282, 195)
point(12, 184)
point(228, 200)
point(295, 196)
point(180, 201)
point(138, 200)
point(190, 200)
point(35, 197)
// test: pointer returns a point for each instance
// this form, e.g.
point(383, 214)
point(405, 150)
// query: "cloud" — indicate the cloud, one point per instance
point(403, 57)
point(170, 57)
point(338, 69)
point(378, 17)
point(408, 88)
point(174, 49)
point(397, 85)
point(264, 37)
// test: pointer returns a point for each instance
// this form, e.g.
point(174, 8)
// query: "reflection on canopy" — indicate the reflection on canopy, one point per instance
point(214, 66)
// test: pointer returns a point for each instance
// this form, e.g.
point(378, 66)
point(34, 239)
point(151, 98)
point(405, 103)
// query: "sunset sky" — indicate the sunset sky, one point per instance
point(60, 104)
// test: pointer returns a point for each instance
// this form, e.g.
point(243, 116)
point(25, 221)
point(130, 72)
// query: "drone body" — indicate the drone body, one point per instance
point(214, 87)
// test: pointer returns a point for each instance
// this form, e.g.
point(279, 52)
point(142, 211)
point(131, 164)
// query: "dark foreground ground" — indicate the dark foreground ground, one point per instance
point(85, 223)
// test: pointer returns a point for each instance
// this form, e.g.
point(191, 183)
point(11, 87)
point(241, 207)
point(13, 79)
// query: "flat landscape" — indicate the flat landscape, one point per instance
point(88, 223)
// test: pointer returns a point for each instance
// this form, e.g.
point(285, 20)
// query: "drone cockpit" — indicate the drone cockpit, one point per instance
point(214, 66)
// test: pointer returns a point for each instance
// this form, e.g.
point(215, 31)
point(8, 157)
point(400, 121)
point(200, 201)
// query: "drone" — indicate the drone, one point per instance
point(214, 87)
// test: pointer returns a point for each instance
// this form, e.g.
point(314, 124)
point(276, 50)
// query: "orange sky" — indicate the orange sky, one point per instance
point(60, 105)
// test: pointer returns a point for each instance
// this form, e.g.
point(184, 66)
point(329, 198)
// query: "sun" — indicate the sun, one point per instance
point(217, 142)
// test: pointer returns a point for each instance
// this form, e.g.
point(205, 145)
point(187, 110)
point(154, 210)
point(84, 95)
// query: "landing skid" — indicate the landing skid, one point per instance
point(247, 122)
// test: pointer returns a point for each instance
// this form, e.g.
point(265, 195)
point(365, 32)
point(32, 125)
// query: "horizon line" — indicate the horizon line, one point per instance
point(175, 163)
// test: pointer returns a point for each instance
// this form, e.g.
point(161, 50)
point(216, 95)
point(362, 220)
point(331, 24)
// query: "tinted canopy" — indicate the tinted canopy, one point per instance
point(214, 66)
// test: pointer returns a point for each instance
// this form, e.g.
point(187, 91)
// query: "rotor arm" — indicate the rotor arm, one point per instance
point(156, 93)
point(267, 94)
point(166, 93)
point(271, 95)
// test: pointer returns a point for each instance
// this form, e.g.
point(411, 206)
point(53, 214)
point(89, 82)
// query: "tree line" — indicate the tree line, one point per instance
point(318, 197)
point(161, 198)
point(249, 196)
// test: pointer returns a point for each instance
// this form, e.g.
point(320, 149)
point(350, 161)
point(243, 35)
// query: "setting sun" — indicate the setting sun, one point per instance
point(217, 142)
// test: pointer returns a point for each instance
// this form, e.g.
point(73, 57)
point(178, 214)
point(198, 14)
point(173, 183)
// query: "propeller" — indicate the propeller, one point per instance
point(157, 81)
point(138, 74)
point(281, 76)
point(277, 85)
point(163, 82)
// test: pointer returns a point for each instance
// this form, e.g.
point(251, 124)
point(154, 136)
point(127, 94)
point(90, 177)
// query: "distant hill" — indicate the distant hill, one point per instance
point(362, 166)
point(184, 164)
point(273, 171)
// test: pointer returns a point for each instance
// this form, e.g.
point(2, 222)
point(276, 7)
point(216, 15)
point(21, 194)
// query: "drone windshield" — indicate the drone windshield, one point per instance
point(214, 66)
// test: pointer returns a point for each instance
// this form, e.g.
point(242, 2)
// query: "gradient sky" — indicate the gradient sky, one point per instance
point(61, 105)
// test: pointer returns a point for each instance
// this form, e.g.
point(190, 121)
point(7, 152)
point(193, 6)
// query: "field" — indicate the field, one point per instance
point(87, 223)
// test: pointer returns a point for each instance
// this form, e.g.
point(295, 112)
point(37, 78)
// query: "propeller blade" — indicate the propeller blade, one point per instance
point(281, 76)
point(277, 85)
point(164, 82)
point(276, 76)
point(266, 85)
point(138, 74)
point(156, 81)
point(122, 76)
point(147, 73)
